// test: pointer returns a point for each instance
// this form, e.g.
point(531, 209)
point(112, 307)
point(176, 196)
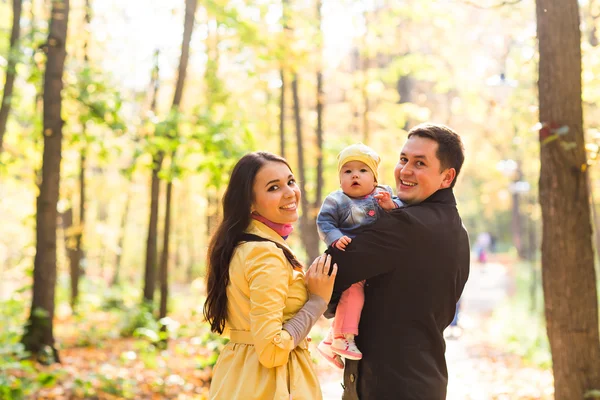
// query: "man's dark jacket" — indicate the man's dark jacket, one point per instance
point(416, 263)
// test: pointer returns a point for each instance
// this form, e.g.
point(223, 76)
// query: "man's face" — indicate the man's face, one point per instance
point(418, 172)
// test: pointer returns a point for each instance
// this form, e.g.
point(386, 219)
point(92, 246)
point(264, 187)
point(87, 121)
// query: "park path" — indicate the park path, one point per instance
point(478, 369)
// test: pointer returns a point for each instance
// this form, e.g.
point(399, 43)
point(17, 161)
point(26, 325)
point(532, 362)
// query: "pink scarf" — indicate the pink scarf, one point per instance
point(282, 229)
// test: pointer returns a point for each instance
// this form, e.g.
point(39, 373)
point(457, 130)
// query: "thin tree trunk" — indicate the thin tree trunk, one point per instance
point(188, 27)
point(69, 232)
point(151, 245)
point(282, 73)
point(592, 34)
point(516, 217)
point(355, 68)
point(11, 69)
point(312, 238)
point(320, 112)
point(153, 90)
point(212, 209)
point(306, 230)
point(300, 153)
point(151, 242)
point(595, 220)
point(532, 257)
point(282, 114)
point(365, 62)
point(568, 275)
point(76, 268)
point(39, 329)
point(212, 191)
point(164, 262)
point(190, 238)
point(76, 254)
point(117, 272)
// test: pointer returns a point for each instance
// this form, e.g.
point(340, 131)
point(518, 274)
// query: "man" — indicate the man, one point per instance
point(415, 260)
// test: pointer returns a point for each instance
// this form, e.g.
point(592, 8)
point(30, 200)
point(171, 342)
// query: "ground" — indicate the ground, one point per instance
point(98, 364)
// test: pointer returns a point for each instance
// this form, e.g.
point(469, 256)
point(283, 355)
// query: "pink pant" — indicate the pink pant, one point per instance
point(347, 315)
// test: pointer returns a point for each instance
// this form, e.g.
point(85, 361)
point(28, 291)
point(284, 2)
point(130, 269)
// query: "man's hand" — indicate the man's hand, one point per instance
point(385, 200)
point(342, 242)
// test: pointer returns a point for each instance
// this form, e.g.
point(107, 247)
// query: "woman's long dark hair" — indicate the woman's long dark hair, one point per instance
point(237, 202)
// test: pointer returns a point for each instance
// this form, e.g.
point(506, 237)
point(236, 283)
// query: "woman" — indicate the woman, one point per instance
point(257, 292)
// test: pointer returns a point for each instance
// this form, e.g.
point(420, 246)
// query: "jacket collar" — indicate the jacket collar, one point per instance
point(262, 230)
point(441, 196)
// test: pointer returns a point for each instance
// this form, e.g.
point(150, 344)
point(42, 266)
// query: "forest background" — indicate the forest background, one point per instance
point(110, 189)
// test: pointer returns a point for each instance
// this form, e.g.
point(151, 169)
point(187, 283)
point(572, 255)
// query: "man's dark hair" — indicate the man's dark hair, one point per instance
point(450, 152)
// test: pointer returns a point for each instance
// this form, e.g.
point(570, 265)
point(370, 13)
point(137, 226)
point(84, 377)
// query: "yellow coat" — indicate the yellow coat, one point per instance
point(260, 362)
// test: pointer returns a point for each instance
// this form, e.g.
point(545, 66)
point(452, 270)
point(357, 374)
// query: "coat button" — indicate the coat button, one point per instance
point(352, 378)
point(277, 339)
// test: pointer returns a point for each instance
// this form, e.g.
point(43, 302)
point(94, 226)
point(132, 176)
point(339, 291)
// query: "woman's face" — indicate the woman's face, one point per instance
point(276, 195)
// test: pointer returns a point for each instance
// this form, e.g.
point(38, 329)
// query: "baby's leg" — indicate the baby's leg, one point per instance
point(347, 315)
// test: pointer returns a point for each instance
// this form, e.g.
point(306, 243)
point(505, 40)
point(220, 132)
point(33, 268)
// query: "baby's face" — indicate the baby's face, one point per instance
point(357, 179)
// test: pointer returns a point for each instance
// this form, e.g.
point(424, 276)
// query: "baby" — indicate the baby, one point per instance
point(359, 203)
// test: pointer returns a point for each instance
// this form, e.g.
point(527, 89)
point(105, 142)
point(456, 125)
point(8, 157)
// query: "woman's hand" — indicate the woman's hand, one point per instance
point(318, 279)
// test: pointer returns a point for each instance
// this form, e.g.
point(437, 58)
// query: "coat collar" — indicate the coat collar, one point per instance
point(262, 230)
point(441, 196)
point(444, 196)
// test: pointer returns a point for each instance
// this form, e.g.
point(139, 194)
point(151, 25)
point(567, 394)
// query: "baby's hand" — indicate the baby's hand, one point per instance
point(385, 200)
point(342, 243)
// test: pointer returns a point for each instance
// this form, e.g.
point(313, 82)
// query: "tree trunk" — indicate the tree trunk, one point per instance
point(365, 63)
point(310, 239)
point(122, 234)
point(212, 209)
point(164, 260)
point(569, 279)
point(191, 244)
point(76, 253)
point(39, 334)
point(313, 238)
point(151, 246)
point(282, 114)
point(190, 11)
point(591, 23)
point(595, 216)
point(11, 69)
point(151, 242)
point(320, 112)
point(282, 72)
point(76, 267)
point(188, 27)
point(70, 237)
point(516, 222)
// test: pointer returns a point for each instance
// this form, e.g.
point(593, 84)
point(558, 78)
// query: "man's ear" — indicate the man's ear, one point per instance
point(449, 176)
